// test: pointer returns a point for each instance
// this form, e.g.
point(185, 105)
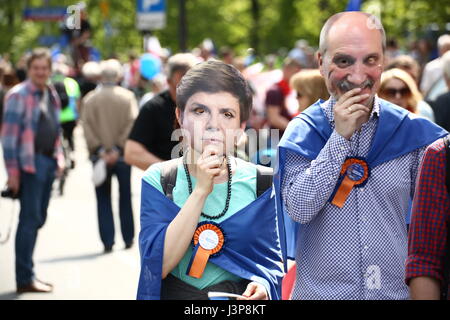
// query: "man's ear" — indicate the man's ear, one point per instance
point(169, 81)
point(179, 115)
point(320, 62)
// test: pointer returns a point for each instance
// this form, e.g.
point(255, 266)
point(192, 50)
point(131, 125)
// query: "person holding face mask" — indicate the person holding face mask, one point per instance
point(208, 222)
point(347, 171)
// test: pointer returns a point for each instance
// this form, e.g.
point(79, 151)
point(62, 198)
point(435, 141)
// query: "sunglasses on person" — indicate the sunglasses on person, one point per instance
point(392, 92)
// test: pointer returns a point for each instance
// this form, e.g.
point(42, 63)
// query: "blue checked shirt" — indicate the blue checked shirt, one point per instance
point(359, 251)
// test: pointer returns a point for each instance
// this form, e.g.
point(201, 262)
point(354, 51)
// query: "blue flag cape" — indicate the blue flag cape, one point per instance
point(398, 132)
point(251, 251)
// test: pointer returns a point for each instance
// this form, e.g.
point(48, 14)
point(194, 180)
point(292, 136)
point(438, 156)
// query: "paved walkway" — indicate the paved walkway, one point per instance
point(69, 253)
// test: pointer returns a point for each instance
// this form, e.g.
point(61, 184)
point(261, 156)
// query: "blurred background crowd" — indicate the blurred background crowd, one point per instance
point(96, 48)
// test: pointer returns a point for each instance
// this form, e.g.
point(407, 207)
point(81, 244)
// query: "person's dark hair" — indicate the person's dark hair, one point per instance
point(215, 76)
point(39, 53)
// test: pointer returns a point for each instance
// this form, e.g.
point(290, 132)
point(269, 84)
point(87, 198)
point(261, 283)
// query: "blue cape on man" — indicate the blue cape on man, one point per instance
point(398, 133)
point(251, 251)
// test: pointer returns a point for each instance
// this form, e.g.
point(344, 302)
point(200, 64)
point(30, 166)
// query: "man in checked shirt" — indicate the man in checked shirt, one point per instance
point(425, 271)
point(347, 170)
point(429, 228)
point(33, 157)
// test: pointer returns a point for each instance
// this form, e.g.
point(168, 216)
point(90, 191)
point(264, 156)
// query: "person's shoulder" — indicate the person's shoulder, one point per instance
point(153, 176)
point(318, 115)
point(157, 102)
point(151, 110)
point(411, 122)
point(398, 113)
point(434, 64)
point(16, 96)
point(18, 89)
point(437, 147)
point(434, 156)
point(245, 176)
point(123, 93)
point(389, 106)
point(71, 82)
point(246, 168)
point(431, 67)
point(89, 96)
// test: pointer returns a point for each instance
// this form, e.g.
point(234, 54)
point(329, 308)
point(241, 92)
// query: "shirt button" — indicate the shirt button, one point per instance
point(363, 218)
point(366, 247)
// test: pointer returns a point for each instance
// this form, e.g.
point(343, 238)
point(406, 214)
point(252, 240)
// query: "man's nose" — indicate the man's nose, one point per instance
point(357, 74)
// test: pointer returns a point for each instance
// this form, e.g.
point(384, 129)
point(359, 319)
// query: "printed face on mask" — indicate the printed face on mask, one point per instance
point(211, 120)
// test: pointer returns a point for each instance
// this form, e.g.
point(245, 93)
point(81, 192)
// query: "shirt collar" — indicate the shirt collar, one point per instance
point(33, 88)
point(328, 107)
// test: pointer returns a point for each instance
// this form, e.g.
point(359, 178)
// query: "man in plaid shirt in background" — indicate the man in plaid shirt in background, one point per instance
point(430, 213)
point(428, 230)
point(32, 153)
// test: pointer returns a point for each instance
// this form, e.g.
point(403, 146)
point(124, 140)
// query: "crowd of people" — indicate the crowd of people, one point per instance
point(356, 137)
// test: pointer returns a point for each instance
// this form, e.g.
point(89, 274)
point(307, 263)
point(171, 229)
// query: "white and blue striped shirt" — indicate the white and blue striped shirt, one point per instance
point(358, 251)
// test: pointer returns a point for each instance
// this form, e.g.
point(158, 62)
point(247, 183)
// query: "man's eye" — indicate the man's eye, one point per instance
point(342, 62)
point(228, 115)
point(199, 110)
point(371, 60)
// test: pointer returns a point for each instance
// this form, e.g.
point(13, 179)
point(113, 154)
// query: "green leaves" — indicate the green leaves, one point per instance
point(267, 24)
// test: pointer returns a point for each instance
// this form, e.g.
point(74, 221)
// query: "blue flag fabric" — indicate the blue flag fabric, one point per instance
point(398, 132)
point(353, 5)
point(251, 251)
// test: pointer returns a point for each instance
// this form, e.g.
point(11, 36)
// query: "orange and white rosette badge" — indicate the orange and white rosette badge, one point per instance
point(354, 173)
point(208, 240)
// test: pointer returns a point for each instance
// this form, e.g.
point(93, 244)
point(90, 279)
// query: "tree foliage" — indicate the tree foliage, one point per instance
point(273, 25)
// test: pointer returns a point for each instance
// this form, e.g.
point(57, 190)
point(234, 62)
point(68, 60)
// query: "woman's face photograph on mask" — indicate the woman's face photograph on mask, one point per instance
point(211, 121)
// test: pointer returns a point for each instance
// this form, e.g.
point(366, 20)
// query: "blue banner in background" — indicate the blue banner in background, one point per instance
point(353, 5)
point(44, 13)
